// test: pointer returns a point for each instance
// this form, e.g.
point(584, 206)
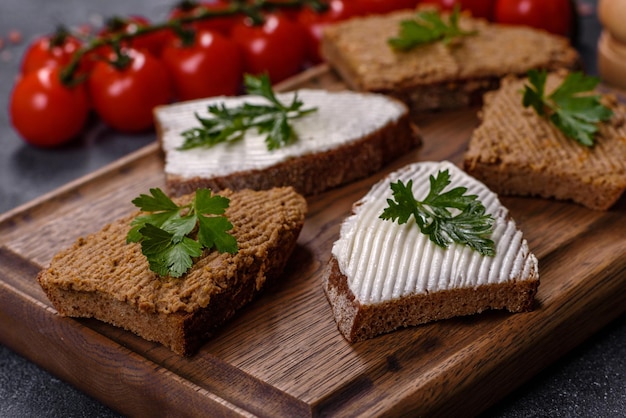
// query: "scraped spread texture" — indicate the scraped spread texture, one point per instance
point(382, 276)
point(383, 260)
point(515, 151)
point(341, 118)
point(102, 277)
point(436, 76)
point(103, 262)
point(495, 50)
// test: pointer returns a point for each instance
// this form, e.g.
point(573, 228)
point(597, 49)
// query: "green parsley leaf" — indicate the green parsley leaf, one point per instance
point(166, 255)
point(163, 209)
point(467, 225)
point(231, 124)
point(571, 107)
point(428, 27)
point(166, 232)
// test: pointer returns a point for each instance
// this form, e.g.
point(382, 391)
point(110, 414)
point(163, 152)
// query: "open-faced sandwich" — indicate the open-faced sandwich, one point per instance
point(433, 60)
point(312, 140)
point(554, 136)
point(426, 243)
point(177, 270)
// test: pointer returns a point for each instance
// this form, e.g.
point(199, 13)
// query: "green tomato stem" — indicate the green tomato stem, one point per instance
point(69, 76)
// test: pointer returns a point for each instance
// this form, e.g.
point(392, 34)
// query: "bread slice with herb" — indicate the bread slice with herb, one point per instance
point(517, 152)
point(103, 277)
point(348, 136)
point(439, 75)
point(384, 275)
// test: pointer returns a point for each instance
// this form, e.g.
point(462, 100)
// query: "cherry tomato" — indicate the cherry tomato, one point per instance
point(221, 24)
point(275, 47)
point(556, 16)
point(152, 42)
point(314, 22)
point(51, 50)
point(384, 6)
point(124, 97)
point(478, 8)
point(45, 112)
point(211, 66)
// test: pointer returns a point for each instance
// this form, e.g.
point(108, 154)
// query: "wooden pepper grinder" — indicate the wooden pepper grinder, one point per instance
point(612, 42)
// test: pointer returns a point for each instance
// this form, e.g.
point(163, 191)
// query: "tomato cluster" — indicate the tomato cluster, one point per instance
point(188, 58)
point(555, 16)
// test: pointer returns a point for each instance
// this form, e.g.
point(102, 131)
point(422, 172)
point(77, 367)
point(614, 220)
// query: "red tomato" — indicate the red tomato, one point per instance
point(314, 23)
point(478, 8)
point(211, 66)
point(152, 42)
point(221, 24)
point(384, 6)
point(276, 47)
point(124, 98)
point(52, 50)
point(44, 111)
point(556, 16)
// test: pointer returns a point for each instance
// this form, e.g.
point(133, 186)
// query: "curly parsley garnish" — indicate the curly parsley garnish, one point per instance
point(231, 124)
point(470, 226)
point(570, 107)
point(427, 28)
point(167, 233)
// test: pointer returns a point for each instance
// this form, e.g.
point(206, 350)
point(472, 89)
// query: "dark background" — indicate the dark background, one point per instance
point(588, 382)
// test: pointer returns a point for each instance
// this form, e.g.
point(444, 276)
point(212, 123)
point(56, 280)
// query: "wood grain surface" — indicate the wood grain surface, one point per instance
point(282, 355)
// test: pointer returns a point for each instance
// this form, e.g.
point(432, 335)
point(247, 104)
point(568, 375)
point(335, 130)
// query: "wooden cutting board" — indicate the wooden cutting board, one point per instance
point(282, 355)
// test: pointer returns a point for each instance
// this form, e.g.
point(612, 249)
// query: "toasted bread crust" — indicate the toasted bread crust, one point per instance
point(116, 286)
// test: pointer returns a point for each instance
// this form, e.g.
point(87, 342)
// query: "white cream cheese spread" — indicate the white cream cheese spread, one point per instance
point(384, 260)
point(341, 118)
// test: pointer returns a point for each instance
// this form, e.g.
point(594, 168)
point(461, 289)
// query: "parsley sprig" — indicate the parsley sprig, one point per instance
point(471, 226)
point(427, 28)
point(571, 107)
point(172, 235)
point(231, 124)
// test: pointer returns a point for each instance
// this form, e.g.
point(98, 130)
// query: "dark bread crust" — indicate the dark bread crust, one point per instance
point(521, 180)
point(315, 173)
point(358, 322)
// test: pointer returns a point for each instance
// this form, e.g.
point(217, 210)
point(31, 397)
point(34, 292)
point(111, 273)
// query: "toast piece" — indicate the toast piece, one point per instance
point(350, 136)
point(516, 152)
point(439, 76)
point(383, 276)
point(102, 277)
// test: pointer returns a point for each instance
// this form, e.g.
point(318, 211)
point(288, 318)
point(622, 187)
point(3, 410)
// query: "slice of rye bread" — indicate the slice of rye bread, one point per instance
point(350, 136)
point(103, 277)
point(517, 152)
point(439, 76)
point(383, 276)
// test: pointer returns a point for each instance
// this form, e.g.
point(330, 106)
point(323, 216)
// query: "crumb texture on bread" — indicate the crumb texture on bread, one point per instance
point(383, 275)
point(438, 76)
point(102, 276)
point(517, 152)
point(349, 136)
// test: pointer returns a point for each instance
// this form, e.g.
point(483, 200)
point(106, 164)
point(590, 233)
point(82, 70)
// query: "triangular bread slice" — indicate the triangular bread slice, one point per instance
point(516, 152)
point(103, 277)
point(350, 136)
point(383, 275)
point(438, 75)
